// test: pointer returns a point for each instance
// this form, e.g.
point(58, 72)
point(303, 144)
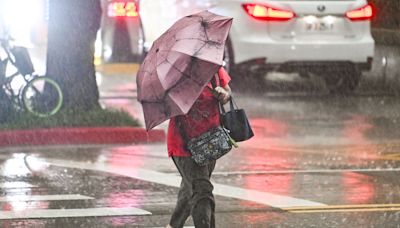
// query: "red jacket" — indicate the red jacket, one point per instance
point(203, 115)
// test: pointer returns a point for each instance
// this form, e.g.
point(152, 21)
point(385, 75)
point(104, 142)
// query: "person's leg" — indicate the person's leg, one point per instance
point(211, 167)
point(197, 185)
point(182, 208)
point(203, 203)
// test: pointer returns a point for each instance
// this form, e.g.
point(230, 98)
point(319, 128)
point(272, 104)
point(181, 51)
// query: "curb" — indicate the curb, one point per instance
point(89, 135)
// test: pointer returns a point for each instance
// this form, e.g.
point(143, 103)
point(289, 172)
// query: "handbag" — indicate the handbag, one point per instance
point(236, 122)
point(209, 146)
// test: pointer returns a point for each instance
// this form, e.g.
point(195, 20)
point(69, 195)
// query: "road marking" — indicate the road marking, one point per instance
point(270, 199)
point(347, 210)
point(43, 198)
point(352, 206)
point(64, 213)
point(16, 184)
point(307, 171)
point(392, 156)
point(344, 208)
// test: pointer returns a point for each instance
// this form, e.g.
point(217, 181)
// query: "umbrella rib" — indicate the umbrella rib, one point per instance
point(204, 27)
point(205, 32)
point(181, 79)
point(194, 55)
point(205, 42)
point(161, 99)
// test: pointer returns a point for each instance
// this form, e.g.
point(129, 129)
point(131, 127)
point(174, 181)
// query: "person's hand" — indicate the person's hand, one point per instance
point(222, 95)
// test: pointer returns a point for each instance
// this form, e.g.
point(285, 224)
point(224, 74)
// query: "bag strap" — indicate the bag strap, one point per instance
point(179, 122)
point(214, 82)
point(232, 104)
point(231, 101)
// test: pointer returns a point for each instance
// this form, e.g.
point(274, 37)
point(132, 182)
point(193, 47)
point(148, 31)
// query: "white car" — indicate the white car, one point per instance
point(328, 38)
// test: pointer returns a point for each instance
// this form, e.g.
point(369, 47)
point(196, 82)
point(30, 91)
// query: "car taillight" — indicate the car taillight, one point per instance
point(267, 13)
point(122, 9)
point(366, 12)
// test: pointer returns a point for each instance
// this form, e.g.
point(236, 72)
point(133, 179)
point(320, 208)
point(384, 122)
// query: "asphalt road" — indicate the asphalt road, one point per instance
point(317, 160)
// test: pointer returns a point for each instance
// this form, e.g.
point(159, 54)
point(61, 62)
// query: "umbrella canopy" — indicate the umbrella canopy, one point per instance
point(180, 64)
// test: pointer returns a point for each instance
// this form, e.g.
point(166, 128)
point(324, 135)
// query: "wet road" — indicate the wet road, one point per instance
point(316, 161)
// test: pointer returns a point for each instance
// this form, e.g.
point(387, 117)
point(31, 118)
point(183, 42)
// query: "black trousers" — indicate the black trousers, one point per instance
point(195, 194)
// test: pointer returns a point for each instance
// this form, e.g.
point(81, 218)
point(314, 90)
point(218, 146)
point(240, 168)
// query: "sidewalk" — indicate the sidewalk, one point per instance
point(117, 87)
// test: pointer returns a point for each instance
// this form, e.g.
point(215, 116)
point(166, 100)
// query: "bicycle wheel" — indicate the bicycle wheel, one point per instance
point(42, 96)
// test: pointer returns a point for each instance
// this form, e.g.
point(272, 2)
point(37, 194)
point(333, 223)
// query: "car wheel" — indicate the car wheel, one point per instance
point(342, 80)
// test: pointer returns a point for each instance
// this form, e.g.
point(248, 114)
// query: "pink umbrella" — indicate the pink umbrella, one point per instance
point(180, 64)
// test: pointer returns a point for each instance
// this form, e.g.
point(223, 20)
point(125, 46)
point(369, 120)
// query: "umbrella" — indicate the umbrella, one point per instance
point(180, 64)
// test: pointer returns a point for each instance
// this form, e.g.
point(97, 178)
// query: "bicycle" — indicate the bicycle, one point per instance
point(39, 95)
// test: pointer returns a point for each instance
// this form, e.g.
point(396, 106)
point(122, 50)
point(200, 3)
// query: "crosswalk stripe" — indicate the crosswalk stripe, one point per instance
point(270, 199)
point(16, 184)
point(344, 208)
point(308, 171)
point(43, 197)
point(347, 210)
point(64, 213)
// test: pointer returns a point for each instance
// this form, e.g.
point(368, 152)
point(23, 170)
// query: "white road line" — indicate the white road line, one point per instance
point(307, 171)
point(16, 184)
point(273, 200)
point(43, 197)
point(63, 213)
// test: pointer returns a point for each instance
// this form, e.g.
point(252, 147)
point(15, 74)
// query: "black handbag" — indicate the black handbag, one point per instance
point(236, 122)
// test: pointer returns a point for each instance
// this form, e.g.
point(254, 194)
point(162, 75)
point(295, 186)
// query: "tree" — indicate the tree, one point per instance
point(73, 26)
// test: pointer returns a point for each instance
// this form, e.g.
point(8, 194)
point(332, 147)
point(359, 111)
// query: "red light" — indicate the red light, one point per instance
point(267, 13)
point(364, 13)
point(123, 9)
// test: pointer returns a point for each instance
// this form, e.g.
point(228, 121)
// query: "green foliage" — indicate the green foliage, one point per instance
point(72, 118)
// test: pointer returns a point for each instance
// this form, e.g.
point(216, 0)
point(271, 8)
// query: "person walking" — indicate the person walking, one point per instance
point(174, 83)
point(195, 195)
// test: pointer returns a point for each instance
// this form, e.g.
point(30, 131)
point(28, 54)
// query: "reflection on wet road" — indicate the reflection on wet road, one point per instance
point(316, 161)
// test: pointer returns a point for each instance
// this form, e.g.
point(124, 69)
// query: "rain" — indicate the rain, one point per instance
point(318, 80)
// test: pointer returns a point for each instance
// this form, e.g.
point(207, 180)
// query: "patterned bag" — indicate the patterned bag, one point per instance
point(209, 146)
